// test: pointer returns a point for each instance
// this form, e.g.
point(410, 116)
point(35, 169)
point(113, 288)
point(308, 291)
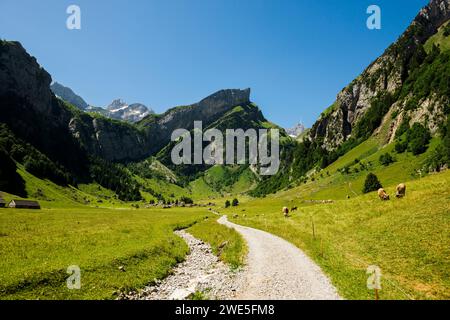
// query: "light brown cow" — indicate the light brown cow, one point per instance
point(401, 190)
point(382, 194)
point(286, 212)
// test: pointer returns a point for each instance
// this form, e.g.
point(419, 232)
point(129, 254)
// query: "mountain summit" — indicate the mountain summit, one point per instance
point(119, 109)
point(295, 131)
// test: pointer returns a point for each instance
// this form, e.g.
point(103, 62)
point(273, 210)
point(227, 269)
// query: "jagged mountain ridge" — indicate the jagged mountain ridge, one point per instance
point(73, 146)
point(35, 115)
point(120, 110)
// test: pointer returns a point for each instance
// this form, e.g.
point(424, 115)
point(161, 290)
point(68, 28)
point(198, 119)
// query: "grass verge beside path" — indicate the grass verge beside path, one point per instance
point(225, 242)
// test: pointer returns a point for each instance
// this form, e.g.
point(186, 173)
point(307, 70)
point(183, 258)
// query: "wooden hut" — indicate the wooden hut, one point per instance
point(2, 203)
point(24, 204)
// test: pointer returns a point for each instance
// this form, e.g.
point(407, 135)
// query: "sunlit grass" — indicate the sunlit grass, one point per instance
point(407, 238)
point(37, 247)
point(227, 243)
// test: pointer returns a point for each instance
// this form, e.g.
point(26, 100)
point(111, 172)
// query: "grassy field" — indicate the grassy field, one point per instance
point(408, 238)
point(38, 246)
point(89, 227)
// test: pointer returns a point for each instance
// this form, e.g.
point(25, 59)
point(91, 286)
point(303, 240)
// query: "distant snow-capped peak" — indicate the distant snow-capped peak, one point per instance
point(119, 109)
point(297, 130)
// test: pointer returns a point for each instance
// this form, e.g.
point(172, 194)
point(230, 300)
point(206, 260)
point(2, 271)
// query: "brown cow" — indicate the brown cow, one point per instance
point(382, 194)
point(401, 190)
point(286, 212)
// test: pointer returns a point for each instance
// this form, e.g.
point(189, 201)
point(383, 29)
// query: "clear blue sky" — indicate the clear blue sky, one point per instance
point(294, 55)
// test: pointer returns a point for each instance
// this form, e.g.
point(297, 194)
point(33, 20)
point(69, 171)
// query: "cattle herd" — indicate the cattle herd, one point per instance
point(400, 193)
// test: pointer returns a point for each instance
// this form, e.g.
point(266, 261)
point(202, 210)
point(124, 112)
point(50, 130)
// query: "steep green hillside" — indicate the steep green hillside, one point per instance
point(441, 39)
point(240, 117)
point(407, 86)
point(222, 180)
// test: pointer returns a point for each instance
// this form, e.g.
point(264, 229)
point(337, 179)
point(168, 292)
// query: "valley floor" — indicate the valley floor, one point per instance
point(121, 250)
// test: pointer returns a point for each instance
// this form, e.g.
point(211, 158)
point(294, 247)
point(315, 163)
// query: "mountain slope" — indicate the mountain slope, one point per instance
point(404, 90)
point(245, 116)
point(68, 95)
point(381, 82)
point(31, 110)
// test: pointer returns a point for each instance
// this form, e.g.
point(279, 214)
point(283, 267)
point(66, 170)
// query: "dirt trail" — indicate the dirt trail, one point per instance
point(276, 269)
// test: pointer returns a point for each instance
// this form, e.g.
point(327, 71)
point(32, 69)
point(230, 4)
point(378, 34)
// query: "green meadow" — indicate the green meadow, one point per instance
point(407, 238)
point(117, 250)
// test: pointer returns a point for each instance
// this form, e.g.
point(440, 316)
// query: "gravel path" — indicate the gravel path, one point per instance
point(276, 269)
point(202, 272)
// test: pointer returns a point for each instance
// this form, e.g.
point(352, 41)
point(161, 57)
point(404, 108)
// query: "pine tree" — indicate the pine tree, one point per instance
point(372, 183)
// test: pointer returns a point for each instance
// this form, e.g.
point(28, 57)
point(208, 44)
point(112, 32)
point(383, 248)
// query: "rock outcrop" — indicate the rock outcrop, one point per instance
point(21, 76)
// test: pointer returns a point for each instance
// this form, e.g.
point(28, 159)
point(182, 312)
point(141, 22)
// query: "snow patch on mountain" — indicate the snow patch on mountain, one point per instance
point(297, 130)
point(120, 110)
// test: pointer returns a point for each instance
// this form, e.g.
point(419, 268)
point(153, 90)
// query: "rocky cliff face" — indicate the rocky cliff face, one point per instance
point(386, 75)
point(30, 109)
point(21, 75)
point(109, 140)
point(33, 113)
point(208, 110)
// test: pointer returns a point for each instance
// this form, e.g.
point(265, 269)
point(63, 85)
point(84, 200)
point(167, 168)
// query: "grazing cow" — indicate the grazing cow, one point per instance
point(286, 212)
point(382, 194)
point(401, 190)
point(294, 209)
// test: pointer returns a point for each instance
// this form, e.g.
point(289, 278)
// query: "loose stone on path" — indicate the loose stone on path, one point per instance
point(202, 271)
